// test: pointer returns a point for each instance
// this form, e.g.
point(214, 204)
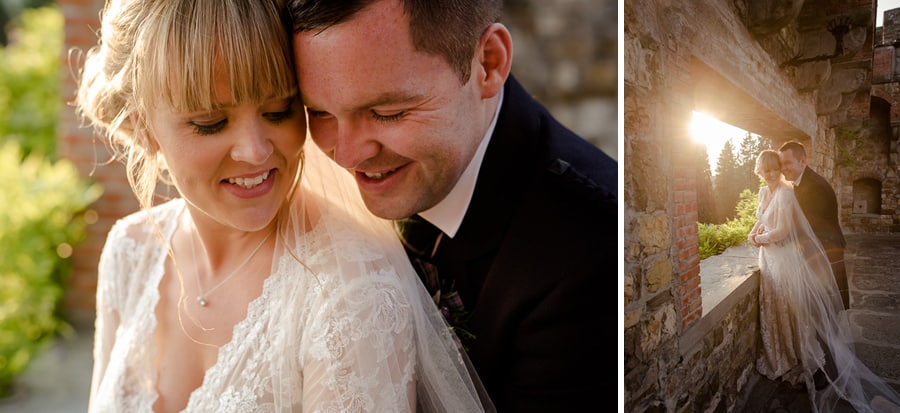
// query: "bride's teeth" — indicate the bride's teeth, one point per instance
point(249, 182)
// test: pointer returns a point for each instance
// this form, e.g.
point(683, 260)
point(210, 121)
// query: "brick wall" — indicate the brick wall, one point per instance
point(91, 158)
point(883, 64)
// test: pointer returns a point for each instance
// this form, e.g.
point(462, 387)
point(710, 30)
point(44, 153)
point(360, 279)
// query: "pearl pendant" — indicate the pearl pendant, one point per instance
point(201, 301)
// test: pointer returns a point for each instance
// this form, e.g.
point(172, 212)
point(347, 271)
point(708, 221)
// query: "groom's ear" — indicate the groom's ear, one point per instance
point(493, 60)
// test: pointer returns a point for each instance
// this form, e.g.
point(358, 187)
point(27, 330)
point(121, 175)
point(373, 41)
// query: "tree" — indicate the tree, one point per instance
point(728, 184)
point(706, 206)
point(750, 148)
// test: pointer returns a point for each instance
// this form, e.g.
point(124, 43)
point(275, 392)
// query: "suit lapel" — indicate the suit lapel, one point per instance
point(504, 175)
point(805, 183)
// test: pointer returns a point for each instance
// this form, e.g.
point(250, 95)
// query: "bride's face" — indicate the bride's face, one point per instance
point(237, 162)
point(772, 175)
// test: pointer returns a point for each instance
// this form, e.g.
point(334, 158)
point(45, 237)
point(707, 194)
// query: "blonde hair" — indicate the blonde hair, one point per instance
point(170, 53)
point(767, 159)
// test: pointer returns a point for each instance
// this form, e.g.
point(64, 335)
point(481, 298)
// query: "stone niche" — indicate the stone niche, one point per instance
point(866, 197)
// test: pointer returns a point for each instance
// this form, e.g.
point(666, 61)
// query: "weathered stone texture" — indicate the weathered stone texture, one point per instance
point(891, 26)
point(875, 153)
point(565, 52)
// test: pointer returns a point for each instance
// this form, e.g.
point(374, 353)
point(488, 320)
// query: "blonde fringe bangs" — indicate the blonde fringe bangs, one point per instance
point(183, 54)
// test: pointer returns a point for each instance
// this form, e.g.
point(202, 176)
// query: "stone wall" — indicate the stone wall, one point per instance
point(564, 52)
point(870, 177)
point(755, 65)
point(890, 31)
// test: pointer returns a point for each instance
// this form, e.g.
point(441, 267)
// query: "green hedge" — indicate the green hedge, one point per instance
point(30, 70)
point(716, 238)
point(40, 221)
point(42, 200)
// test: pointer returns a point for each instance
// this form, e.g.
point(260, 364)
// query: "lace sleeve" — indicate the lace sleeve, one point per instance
point(361, 357)
point(780, 218)
point(108, 293)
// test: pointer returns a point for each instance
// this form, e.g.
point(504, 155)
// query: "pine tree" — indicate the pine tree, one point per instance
point(728, 184)
point(706, 206)
point(751, 146)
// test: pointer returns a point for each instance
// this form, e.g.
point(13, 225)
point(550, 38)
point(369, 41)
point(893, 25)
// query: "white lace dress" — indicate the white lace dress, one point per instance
point(789, 342)
point(334, 335)
point(802, 321)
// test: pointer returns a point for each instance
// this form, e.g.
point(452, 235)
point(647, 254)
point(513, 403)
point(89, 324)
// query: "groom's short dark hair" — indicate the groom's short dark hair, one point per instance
point(796, 149)
point(447, 28)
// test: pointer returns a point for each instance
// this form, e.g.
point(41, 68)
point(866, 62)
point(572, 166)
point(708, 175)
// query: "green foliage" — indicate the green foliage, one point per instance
point(734, 173)
point(849, 147)
point(40, 203)
point(41, 200)
point(751, 146)
point(706, 204)
point(30, 81)
point(728, 183)
point(716, 238)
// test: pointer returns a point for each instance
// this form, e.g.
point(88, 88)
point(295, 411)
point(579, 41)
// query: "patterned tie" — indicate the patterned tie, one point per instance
point(421, 240)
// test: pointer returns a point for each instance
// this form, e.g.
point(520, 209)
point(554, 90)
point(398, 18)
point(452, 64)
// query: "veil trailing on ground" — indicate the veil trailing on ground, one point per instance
point(823, 331)
point(443, 381)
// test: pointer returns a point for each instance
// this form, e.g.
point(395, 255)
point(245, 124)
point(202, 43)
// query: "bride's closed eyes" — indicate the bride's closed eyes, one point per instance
point(214, 122)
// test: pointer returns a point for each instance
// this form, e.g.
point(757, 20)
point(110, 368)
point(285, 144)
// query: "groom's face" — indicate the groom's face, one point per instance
point(400, 120)
point(791, 167)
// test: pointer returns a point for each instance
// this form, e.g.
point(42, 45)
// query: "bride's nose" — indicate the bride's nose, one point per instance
point(251, 145)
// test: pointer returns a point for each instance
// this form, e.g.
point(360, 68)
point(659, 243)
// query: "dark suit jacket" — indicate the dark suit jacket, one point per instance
point(535, 261)
point(819, 204)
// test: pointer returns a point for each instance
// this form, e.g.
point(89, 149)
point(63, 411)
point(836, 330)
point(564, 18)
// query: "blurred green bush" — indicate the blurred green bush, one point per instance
point(716, 238)
point(42, 200)
point(30, 81)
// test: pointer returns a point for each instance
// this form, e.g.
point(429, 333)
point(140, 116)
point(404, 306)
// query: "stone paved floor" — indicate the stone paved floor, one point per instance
point(873, 268)
point(57, 382)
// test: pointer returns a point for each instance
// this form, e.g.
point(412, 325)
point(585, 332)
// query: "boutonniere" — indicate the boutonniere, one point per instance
point(448, 301)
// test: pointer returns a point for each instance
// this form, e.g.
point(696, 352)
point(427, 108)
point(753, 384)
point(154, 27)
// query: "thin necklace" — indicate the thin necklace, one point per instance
point(201, 296)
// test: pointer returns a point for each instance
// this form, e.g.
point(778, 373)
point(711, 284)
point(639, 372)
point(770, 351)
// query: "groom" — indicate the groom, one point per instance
point(819, 204)
point(415, 98)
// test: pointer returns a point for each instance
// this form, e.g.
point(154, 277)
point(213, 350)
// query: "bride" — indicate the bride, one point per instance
point(805, 332)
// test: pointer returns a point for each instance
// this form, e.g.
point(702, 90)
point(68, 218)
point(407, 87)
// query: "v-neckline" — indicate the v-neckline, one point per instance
point(226, 348)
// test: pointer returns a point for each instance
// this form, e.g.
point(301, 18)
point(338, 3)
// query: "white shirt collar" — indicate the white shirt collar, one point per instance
point(799, 177)
point(449, 213)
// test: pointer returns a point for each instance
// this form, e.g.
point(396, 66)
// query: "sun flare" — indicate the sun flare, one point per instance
point(714, 133)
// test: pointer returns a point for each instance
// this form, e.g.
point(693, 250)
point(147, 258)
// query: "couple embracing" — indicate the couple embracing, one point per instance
point(803, 291)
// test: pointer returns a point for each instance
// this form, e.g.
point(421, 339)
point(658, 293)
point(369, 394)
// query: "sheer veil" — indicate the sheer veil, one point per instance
point(822, 319)
point(443, 380)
